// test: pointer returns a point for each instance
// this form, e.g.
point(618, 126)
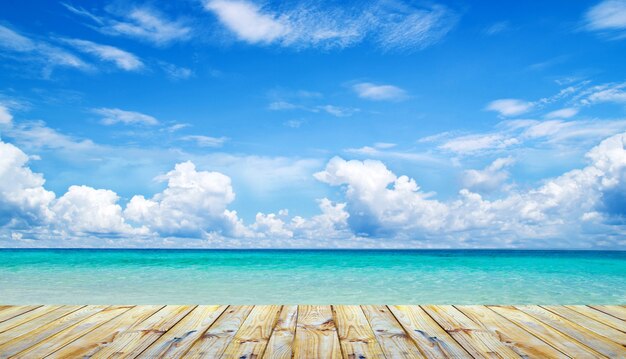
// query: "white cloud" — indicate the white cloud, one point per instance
point(46, 56)
point(247, 21)
point(86, 210)
point(139, 22)
point(605, 93)
point(490, 178)
point(375, 92)
point(5, 115)
point(122, 59)
point(562, 113)
point(497, 28)
point(338, 111)
point(206, 141)
point(112, 116)
point(36, 135)
point(23, 198)
point(580, 208)
point(176, 72)
point(474, 143)
point(193, 204)
point(381, 204)
point(509, 107)
point(397, 26)
point(608, 15)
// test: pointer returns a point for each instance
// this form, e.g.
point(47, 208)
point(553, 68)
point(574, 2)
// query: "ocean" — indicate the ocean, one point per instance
point(157, 276)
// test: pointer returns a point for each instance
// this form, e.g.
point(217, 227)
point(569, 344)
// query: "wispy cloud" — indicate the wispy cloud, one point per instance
point(122, 59)
point(370, 91)
point(390, 26)
point(509, 106)
point(490, 178)
point(112, 116)
point(38, 52)
point(607, 17)
point(176, 72)
point(206, 141)
point(497, 28)
point(562, 113)
point(138, 22)
point(5, 115)
point(337, 111)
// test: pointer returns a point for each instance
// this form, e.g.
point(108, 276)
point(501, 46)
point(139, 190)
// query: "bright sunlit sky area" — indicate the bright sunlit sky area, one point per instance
point(240, 123)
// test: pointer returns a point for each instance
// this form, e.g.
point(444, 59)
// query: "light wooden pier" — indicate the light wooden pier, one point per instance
point(312, 331)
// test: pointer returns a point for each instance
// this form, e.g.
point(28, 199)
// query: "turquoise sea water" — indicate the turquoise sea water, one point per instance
point(84, 276)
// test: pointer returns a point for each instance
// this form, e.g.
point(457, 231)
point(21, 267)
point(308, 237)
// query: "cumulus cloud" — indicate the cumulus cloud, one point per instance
point(23, 199)
point(193, 204)
point(569, 208)
point(122, 59)
point(509, 107)
point(112, 116)
point(86, 210)
point(582, 207)
point(397, 26)
point(142, 23)
point(375, 92)
point(608, 16)
point(490, 178)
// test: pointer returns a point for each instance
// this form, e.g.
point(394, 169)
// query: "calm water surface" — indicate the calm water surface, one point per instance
point(309, 276)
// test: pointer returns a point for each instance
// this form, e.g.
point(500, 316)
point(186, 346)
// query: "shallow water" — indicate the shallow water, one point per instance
point(84, 276)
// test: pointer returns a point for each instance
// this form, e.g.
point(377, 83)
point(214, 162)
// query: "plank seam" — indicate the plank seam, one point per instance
point(168, 329)
point(524, 329)
point(602, 311)
point(87, 332)
point(445, 331)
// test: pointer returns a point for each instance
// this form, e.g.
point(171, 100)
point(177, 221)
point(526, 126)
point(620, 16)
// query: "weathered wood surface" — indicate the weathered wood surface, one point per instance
point(312, 331)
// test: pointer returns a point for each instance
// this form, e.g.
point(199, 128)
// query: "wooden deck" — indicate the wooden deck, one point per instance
point(312, 331)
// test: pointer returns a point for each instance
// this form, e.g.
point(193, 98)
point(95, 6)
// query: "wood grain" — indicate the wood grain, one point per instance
point(316, 333)
point(280, 345)
point(312, 331)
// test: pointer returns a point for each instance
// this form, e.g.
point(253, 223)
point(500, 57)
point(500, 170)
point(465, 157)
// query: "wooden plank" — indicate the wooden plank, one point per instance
point(581, 334)
point(135, 340)
point(599, 316)
point(430, 338)
point(546, 333)
point(14, 311)
point(90, 343)
point(589, 324)
point(518, 339)
point(177, 341)
point(316, 333)
point(215, 340)
point(23, 342)
point(356, 336)
point(62, 338)
point(614, 310)
point(253, 335)
point(479, 342)
point(38, 322)
point(392, 338)
point(30, 315)
point(280, 345)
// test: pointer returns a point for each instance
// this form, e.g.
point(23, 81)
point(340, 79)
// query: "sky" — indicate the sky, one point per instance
point(334, 124)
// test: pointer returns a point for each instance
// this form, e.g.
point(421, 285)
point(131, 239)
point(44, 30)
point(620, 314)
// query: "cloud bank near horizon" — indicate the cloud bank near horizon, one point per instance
point(582, 208)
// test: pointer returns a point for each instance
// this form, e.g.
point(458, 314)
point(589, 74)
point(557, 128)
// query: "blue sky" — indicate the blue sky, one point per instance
point(236, 123)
